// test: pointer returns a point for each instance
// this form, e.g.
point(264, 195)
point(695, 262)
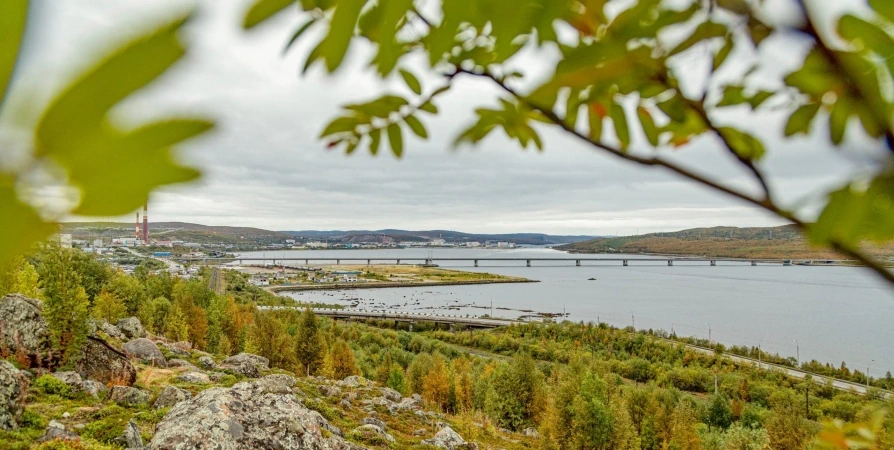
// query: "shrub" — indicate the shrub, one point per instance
point(51, 385)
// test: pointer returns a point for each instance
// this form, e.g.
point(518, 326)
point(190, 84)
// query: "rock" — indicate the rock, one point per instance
point(56, 431)
point(111, 330)
point(350, 396)
point(72, 379)
point(146, 351)
point(251, 414)
point(182, 348)
point(181, 363)
point(531, 432)
point(170, 396)
point(66, 415)
point(95, 388)
point(420, 432)
point(246, 364)
point(132, 436)
point(449, 439)
point(13, 387)
point(368, 430)
point(409, 403)
point(344, 403)
point(392, 395)
point(23, 329)
point(194, 377)
point(105, 364)
point(330, 391)
point(217, 376)
point(207, 362)
point(353, 381)
point(128, 396)
point(373, 421)
point(131, 327)
point(277, 383)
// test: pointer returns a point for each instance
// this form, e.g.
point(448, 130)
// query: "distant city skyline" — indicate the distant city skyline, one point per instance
point(265, 168)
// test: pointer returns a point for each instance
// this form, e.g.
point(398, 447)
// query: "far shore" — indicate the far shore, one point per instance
point(345, 286)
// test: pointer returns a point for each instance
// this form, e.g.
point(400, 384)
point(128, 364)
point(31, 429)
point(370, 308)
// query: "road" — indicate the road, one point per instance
point(171, 264)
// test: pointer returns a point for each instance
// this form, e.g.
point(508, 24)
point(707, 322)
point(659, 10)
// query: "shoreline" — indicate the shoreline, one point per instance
point(355, 286)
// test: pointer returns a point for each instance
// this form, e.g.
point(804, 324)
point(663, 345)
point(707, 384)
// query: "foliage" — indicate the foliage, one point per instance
point(51, 385)
point(65, 305)
point(108, 307)
point(340, 362)
point(309, 343)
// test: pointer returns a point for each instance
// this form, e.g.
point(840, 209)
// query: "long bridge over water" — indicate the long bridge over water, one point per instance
point(528, 261)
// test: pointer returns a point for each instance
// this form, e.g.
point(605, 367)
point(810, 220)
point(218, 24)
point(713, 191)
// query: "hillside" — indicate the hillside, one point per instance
point(722, 242)
point(388, 235)
point(170, 231)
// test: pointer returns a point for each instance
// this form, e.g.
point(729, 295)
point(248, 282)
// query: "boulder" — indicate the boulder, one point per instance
point(128, 396)
point(277, 383)
point(353, 381)
point(13, 387)
point(146, 351)
point(95, 388)
point(409, 403)
point(246, 364)
point(392, 395)
point(330, 391)
point(252, 414)
point(531, 432)
point(72, 379)
point(111, 330)
point(207, 362)
point(194, 377)
point(368, 431)
point(181, 348)
point(56, 432)
point(374, 421)
point(105, 364)
point(182, 363)
point(170, 396)
point(132, 436)
point(23, 329)
point(449, 439)
point(131, 327)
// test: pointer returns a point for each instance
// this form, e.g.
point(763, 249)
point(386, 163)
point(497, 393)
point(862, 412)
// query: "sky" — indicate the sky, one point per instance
point(263, 166)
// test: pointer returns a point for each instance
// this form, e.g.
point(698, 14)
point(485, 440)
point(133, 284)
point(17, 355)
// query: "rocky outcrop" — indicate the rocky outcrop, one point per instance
point(368, 431)
point(181, 363)
point(353, 381)
point(131, 327)
point(207, 362)
point(23, 330)
point(374, 421)
point(246, 364)
point(56, 432)
point(105, 364)
point(145, 351)
point(181, 348)
point(111, 330)
point(391, 394)
point(254, 414)
point(531, 432)
point(170, 396)
point(13, 387)
point(132, 437)
point(449, 439)
point(128, 396)
point(194, 377)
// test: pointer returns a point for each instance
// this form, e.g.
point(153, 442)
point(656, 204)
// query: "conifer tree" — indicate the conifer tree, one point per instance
point(107, 306)
point(383, 370)
point(176, 328)
point(340, 361)
point(397, 380)
point(65, 306)
point(309, 345)
point(26, 281)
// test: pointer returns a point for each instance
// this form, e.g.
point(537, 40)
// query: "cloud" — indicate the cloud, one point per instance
point(264, 166)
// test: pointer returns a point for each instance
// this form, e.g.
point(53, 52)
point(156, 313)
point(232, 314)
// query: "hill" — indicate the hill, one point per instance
point(388, 235)
point(171, 231)
point(722, 242)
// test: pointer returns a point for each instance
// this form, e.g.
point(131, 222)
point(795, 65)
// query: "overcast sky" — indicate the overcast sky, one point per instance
point(263, 166)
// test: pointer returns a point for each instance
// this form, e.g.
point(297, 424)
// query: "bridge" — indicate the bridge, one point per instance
point(398, 316)
point(431, 261)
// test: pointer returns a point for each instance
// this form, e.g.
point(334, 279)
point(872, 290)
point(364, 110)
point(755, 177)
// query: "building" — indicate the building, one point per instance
point(473, 244)
point(317, 244)
point(349, 278)
point(259, 281)
point(64, 240)
point(127, 242)
point(437, 242)
point(161, 254)
point(97, 243)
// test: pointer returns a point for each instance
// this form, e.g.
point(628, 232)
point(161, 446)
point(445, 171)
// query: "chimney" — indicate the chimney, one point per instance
point(136, 233)
point(146, 224)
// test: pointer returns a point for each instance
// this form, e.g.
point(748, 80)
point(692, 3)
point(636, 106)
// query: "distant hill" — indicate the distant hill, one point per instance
point(389, 235)
point(722, 242)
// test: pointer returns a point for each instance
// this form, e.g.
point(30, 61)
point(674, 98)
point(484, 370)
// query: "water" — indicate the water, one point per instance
point(835, 313)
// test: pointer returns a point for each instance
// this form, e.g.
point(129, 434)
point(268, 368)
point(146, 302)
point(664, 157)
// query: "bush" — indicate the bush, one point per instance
point(51, 385)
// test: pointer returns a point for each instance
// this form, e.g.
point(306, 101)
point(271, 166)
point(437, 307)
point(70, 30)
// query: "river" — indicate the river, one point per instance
point(834, 313)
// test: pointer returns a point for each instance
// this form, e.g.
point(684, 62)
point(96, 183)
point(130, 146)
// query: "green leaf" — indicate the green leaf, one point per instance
point(759, 98)
point(733, 95)
point(22, 226)
point(740, 7)
point(375, 137)
point(595, 116)
point(854, 216)
point(412, 81)
point(381, 107)
point(800, 120)
point(13, 16)
point(77, 132)
point(297, 34)
point(395, 138)
point(416, 126)
point(619, 119)
point(674, 108)
point(745, 145)
point(705, 31)
point(872, 38)
point(429, 107)
point(885, 8)
point(724, 52)
point(341, 30)
point(340, 125)
point(838, 117)
point(649, 128)
point(262, 10)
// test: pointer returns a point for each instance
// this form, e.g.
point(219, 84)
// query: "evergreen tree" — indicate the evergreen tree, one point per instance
point(26, 281)
point(65, 306)
point(719, 413)
point(512, 400)
point(129, 290)
point(340, 361)
point(396, 380)
point(107, 306)
point(176, 328)
point(309, 345)
point(383, 370)
point(462, 382)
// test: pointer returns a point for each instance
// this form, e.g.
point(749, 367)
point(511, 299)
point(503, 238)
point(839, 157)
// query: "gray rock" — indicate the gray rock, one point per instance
point(531, 432)
point(392, 395)
point(131, 327)
point(181, 348)
point(420, 432)
point(181, 363)
point(252, 414)
point(23, 329)
point(170, 396)
point(353, 381)
point(409, 403)
point(13, 387)
point(132, 435)
point(146, 351)
point(194, 377)
point(72, 379)
point(449, 439)
point(277, 383)
point(370, 430)
point(246, 364)
point(344, 403)
point(207, 362)
point(95, 388)
point(111, 330)
point(217, 376)
point(374, 421)
point(56, 431)
point(105, 364)
point(330, 391)
point(128, 396)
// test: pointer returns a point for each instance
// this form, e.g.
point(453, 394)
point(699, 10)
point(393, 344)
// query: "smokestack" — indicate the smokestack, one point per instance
point(146, 224)
point(136, 232)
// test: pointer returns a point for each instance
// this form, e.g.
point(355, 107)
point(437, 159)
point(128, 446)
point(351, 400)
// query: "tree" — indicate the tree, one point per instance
point(107, 306)
point(383, 370)
point(176, 328)
point(436, 384)
point(26, 281)
point(270, 340)
point(340, 361)
point(462, 381)
point(397, 380)
point(309, 343)
point(128, 289)
point(65, 305)
point(153, 314)
point(719, 413)
point(515, 388)
point(618, 85)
